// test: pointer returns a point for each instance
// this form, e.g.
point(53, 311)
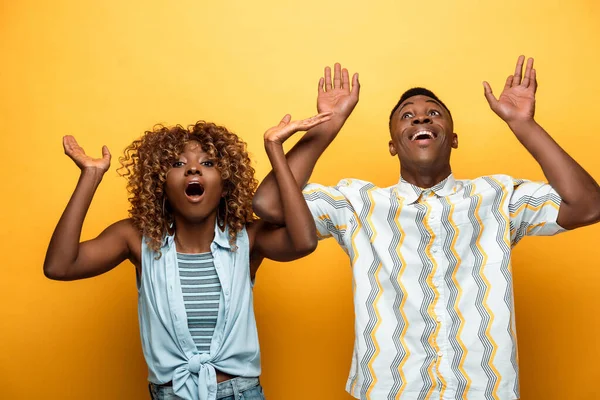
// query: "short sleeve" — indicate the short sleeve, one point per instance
point(330, 209)
point(533, 210)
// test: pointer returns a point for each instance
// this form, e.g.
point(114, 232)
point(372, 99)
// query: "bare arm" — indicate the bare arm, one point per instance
point(67, 258)
point(516, 106)
point(337, 96)
point(298, 236)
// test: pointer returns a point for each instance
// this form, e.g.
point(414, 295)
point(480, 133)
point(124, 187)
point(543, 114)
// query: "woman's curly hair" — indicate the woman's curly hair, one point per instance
point(145, 164)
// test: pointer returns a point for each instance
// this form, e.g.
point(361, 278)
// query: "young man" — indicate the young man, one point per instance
point(431, 256)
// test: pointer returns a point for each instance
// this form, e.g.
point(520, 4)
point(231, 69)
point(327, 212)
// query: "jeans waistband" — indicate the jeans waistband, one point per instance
point(235, 386)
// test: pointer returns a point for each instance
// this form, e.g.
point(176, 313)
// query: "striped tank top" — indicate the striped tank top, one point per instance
point(201, 290)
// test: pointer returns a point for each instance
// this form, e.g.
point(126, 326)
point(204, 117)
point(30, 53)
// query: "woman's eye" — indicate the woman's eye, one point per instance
point(208, 163)
point(178, 164)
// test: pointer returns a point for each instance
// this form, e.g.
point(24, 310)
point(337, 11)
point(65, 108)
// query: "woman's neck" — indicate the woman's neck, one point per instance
point(194, 237)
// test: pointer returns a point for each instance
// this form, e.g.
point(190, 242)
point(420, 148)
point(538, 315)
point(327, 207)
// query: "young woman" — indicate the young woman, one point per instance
point(196, 246)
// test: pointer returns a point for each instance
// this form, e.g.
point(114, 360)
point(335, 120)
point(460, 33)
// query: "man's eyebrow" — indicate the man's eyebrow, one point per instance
point(404, 105)
point(433, 101)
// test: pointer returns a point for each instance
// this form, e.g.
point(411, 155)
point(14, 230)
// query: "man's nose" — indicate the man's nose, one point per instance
point(423, 119)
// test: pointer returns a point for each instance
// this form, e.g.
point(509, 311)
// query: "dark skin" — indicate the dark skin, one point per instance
point(69, 259)
point(422, 136)
point(426, 163)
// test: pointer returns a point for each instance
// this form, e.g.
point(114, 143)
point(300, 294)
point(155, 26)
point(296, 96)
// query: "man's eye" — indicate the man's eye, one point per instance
point(178, 164)
point(434, 113)
point(407, 115)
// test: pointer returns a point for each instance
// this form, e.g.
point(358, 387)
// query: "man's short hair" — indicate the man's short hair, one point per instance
point(417, 91)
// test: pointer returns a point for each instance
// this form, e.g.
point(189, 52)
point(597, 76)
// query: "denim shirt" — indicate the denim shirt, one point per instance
point(167, 344)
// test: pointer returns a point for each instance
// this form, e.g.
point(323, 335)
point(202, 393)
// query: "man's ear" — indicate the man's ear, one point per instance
point(393, 151)
point(455, 141)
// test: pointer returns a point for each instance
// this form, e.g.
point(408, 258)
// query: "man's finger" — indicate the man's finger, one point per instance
point(527, 78)
point(327, 78)
point(355, 85)
point(489, 96)
point(518, 71)
point(345, 79)
point(337, 76)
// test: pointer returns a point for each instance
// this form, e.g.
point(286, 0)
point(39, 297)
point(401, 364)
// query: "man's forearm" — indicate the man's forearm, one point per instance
point(578, 190)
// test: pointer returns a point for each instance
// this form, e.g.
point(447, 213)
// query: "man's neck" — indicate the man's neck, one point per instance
point(424, 177)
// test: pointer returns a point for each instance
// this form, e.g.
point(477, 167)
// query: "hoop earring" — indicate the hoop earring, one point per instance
point(222, 221)
point(166, 216)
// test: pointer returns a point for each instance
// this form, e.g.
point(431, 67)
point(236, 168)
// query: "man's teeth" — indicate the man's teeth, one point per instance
point(422, 135)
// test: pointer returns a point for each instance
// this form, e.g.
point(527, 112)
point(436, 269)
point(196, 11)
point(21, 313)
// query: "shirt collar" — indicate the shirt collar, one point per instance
point(222, 236)
point(411, 193)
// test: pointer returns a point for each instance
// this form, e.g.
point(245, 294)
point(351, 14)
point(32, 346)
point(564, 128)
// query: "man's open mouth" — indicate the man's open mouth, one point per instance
point(423, 135)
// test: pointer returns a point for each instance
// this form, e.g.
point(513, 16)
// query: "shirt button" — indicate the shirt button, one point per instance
point(440, 353)
point(439, 319)
point(435, 250)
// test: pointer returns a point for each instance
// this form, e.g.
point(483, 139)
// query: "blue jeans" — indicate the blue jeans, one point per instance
point(233, 389)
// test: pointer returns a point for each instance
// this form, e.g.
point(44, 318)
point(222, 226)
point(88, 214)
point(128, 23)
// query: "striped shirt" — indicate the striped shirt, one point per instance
point(201, 295)
point(432, 281)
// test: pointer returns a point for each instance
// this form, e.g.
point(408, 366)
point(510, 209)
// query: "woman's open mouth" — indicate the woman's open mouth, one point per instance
point(194, 191)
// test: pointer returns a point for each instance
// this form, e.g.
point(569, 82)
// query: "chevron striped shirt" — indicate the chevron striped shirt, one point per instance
point(432, 280)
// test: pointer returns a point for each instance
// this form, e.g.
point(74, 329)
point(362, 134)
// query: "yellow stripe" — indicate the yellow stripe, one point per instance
point(431, 309)
point(353, 263)
point(321, 190)
point(324, 217)
point(379, 293)
point(458, 297)
point(532, 227)
point(404, 298)
point(524, 206)
point(485, 297)
point(377, 324)
point(507, 241)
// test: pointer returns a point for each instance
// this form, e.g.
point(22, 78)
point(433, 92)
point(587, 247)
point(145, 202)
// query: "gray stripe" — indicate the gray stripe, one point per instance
point(502, 235)
point(215, 296)
point(202, 314)
point(203, 306)
point(482, 288)
point(195, 289)
point(202, 282)
point(393, 250)
point(453, 265)
point(197, 273)
point(534, 201)
point(194, 257)
point(200, 324)
point(369, 304)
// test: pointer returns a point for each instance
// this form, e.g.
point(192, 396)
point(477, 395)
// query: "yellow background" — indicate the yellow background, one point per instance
point(105, 71)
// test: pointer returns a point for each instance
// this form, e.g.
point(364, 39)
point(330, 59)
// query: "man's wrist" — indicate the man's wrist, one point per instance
point(522, 127)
